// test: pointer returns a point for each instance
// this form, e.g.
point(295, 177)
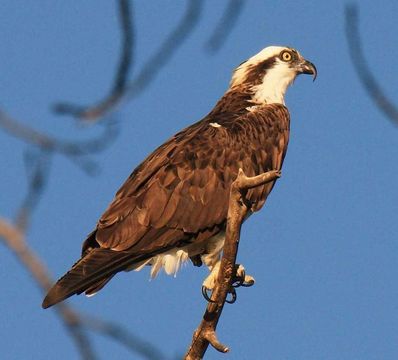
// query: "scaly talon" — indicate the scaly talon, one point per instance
point(249, 281)
point(206, 294)
point(239, 279)
point(231, 291)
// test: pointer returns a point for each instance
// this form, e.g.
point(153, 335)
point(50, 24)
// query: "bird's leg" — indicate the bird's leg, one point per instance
point(210, 282)
point(239, 279)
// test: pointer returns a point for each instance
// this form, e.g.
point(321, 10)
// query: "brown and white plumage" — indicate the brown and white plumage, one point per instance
point(174, 205)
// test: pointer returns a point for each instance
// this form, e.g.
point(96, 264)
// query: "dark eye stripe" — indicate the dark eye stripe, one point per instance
point(257, 72)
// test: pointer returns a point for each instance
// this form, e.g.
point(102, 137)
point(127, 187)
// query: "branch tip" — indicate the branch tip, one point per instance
point(211, 337)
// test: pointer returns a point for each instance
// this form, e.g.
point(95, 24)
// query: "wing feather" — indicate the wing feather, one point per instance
point(179, 194)
point(183, 187)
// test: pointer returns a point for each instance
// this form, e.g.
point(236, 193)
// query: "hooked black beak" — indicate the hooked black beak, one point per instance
point(307, 67)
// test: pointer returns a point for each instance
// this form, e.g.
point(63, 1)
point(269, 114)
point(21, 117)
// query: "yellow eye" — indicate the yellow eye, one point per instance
point(286, 56)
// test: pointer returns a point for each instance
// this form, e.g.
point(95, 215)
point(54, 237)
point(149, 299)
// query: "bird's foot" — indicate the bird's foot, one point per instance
point(239, 279)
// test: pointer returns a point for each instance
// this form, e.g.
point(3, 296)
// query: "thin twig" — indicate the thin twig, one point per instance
point(205, 334)
point(38, 166)
point(225, 25)
point(369, 82)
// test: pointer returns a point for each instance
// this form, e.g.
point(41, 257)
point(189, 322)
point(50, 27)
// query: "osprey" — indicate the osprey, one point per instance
point(173, 207)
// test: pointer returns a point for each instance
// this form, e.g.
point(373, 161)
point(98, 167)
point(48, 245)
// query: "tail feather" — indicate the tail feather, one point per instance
point(92, 290)
point(90, 273)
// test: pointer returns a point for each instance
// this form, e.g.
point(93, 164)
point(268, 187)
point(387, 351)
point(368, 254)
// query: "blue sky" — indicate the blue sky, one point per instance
point(323, 251)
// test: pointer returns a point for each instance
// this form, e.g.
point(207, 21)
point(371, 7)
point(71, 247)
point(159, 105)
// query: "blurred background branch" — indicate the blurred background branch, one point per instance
point(118, 88)
point(368, 80)
point(227, 22)
point(14, 239)
point(37, 165)
point(122, 88)
point(76, 151)
point(166, 49)
point(75, 323)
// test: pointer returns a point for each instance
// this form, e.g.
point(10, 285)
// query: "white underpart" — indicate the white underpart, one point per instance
point(172, 260)
point(274, 85)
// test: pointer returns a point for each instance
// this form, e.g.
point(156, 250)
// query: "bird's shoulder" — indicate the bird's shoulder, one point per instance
point(195, 146)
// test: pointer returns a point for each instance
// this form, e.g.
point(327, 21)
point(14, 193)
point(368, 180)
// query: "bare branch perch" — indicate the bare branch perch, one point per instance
point(206, 332)
point(365, 75)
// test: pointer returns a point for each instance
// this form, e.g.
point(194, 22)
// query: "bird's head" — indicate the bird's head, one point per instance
point(268, 74)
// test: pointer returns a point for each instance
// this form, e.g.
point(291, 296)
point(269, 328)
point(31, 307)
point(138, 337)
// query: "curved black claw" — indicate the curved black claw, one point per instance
point(206, 294)
point(233, 294)
point(239, 280)
point(248, 284)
